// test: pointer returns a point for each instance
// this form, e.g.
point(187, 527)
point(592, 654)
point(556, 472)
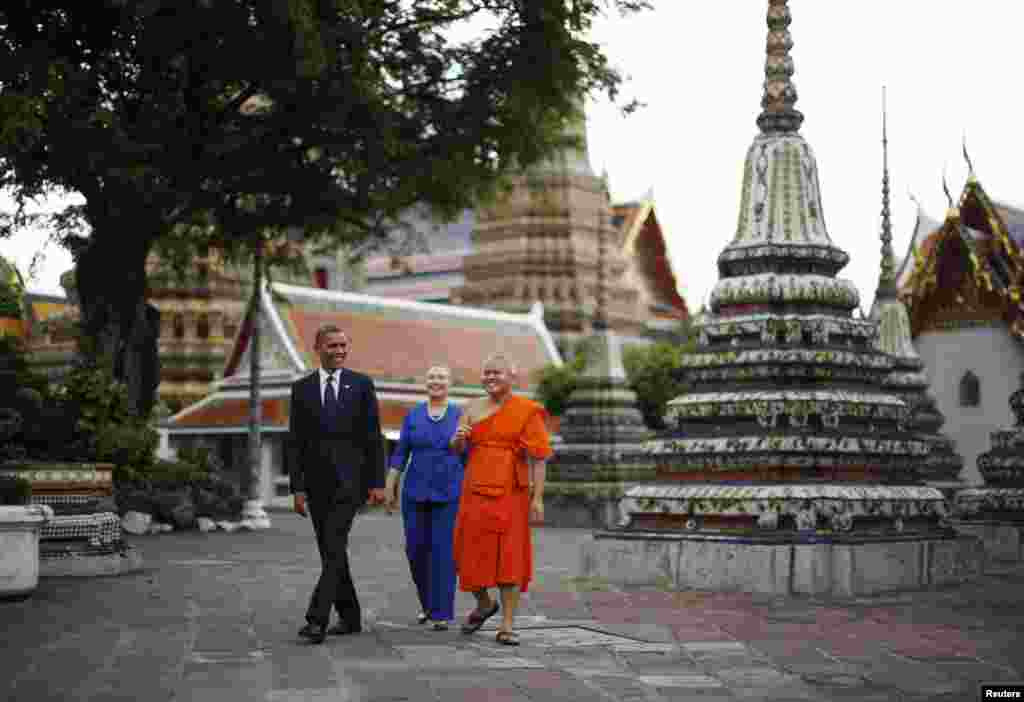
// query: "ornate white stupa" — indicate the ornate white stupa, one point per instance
point(789, 467)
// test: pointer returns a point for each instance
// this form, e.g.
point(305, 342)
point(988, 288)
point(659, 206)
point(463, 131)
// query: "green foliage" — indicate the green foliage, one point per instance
point(652, 375)
point(14, 490)
point(161, 473)
point(554, 384)
point(652, 372)
point(10, 302)
point(106, 428)
point(318, 121)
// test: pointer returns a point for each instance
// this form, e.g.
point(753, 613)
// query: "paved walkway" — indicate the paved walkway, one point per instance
point(213, 618)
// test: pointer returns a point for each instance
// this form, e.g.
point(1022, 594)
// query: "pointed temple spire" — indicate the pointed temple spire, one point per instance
point(970, 166)
point(887, 279)
point(945, 189)
point(778, 111)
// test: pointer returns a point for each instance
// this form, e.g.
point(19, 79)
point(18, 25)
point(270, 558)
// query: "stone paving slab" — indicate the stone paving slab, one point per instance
point(214, 617)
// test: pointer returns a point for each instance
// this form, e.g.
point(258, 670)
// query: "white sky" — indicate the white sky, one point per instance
point(951, 69)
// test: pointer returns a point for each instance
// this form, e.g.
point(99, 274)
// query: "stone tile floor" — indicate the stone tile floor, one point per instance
point(214, 618)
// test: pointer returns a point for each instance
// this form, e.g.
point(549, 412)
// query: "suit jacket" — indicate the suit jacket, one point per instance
point(345, 460)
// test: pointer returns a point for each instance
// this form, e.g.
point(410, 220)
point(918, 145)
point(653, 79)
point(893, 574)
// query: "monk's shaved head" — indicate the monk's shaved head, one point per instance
point(500, 359)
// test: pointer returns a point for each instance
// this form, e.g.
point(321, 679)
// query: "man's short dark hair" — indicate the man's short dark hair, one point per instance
point(326, 329)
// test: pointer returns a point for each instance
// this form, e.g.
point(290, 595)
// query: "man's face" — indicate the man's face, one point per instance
point(333, 350)
point(496, 379)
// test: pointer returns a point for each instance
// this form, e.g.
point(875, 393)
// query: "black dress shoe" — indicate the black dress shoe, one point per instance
point(314, 632)
point(341, 629)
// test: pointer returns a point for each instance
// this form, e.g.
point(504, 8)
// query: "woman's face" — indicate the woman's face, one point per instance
point(437, 383)
point(496, 379)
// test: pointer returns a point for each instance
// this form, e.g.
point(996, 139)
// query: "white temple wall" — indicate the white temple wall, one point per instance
point(997, 359)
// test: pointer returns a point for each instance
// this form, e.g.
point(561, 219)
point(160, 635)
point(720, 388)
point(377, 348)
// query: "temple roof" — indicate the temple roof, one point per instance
point(643, 246)
point(969, 269)
point(924, 226)
point(393, 341)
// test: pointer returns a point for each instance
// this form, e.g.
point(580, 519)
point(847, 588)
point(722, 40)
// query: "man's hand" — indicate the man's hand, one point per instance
point(391, 489)
point(300, 504)
point(377, 496)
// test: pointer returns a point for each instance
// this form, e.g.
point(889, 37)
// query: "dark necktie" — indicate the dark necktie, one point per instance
point(330, 401)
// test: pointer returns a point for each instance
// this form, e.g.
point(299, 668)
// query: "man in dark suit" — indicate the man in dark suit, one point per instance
point(334, 427)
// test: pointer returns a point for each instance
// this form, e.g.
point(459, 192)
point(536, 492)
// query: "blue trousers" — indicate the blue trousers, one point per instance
point(429, 530)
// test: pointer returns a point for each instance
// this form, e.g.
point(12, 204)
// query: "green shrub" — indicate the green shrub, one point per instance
point(556, 383)
point(14, 490)
point(653, 375)
point(106, 429)
point(127, 444)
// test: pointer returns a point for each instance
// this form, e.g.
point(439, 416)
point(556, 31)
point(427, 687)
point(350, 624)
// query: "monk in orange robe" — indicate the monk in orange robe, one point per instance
point(503, 488)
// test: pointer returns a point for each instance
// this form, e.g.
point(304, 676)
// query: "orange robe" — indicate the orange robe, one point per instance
point(492, 530)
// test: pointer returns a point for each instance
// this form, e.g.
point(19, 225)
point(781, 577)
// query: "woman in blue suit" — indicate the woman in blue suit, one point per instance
point(430, 496)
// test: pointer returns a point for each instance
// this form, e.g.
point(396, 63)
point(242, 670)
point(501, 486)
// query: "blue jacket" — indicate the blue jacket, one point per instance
point(435, 472)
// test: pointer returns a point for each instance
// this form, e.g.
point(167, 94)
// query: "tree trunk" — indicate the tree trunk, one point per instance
point(118, 329)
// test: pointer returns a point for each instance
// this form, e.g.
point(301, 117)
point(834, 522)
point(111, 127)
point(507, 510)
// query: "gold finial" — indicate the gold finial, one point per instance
point(778, 112)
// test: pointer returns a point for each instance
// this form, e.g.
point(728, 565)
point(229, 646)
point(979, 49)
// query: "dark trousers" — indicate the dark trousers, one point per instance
point(332, 522)
point(429, 529)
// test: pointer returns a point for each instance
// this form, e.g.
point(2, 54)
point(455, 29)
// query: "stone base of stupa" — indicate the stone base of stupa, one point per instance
point(994, 515)
point(784, 539)
point(812, 564)
point(583, 505)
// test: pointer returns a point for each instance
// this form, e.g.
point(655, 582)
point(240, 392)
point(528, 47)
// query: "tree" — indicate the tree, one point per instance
point(214, 122)
point(652, 370)
point(654, 377)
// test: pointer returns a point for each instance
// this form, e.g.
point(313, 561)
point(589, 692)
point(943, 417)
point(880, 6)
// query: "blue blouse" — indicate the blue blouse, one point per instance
point(435, 472)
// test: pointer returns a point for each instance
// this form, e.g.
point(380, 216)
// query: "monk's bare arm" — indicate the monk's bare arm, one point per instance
point(538, 474)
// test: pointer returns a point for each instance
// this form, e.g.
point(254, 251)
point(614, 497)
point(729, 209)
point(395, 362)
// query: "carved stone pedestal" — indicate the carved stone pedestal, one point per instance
point(84, 536)
point(811, 564)
point(996, 516)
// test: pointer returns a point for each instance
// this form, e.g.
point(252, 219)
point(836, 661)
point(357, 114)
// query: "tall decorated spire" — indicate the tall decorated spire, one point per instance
point(887, 279)
point(778, 113)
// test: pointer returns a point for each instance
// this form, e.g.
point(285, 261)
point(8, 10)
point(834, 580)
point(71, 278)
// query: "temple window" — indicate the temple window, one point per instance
point(970, 390)
point(179, 327)
point(203, 327)
point(320, 278)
